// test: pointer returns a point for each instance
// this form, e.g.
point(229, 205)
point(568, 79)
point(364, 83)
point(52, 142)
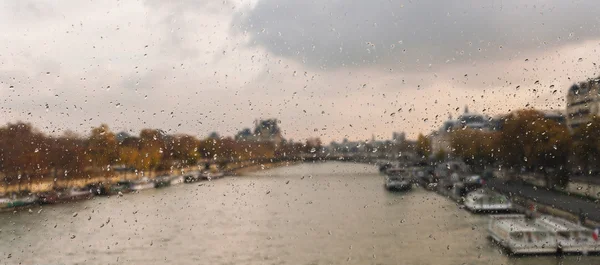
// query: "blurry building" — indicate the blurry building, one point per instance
point(441, 139)
point(583, 102)
point(398, 137)
point(264, 131)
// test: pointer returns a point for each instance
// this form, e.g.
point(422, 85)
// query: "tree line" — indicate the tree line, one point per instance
point(527, 141)
point(26, 152)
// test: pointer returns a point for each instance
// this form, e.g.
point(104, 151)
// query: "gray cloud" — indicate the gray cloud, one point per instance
point(412, 34)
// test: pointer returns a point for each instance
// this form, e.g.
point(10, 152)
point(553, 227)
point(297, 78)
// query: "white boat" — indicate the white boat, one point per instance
point(4, 202)
point(520, 235)
point(177, 180)
point(74, 194)
point(142, 184)
point(398, 179)
point(483, 201)
point(571, 237)
point(208, 175)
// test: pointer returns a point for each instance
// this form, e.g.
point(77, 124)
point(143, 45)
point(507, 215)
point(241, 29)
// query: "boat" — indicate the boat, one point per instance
point(482, 201)
point(48, 197)
point(450, 173)
point(162, 181)
point(18, 200)
point(4, 201)
point(521, 235)
point(571, 237)
point(468, 184)
point(211, 175)
point(142, 184)
point(398, 179)
point(191, 177)
point(75, 194)
point(178, 179)
point(120, 187)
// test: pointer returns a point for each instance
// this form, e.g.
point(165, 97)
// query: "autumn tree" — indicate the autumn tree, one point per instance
point(21, 149)
point(102, 147)
point(67, 154)
point(530, 141)
point(130, 157)
point(476, 147)
point(151, 149)
point(185, 149)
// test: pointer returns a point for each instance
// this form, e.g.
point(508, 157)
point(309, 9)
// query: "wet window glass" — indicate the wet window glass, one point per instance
point(300, 132)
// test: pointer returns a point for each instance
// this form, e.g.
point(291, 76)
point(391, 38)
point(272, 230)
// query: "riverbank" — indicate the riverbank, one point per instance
point(544, 202)
point(237, 168)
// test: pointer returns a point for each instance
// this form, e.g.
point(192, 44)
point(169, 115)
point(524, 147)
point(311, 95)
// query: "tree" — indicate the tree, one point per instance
point(67, 154)
point(586, 144)
point(185, 149)
point(313, 145)
point(130, 157)
point(530, 141)
point(22, 150)
point(423, 146)
point(440, 155)
point(102, 147)
point(475, 147)
point(151, 149)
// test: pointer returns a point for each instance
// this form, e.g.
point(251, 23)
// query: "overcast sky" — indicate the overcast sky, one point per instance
point(332, 69)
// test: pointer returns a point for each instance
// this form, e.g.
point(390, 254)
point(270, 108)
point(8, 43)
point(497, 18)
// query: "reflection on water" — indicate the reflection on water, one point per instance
point(329, 213)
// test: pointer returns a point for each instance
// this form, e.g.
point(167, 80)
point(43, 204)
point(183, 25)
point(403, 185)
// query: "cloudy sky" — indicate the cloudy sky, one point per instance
point(332, 69)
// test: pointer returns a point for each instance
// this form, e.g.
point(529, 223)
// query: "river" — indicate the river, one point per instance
point(324, 213)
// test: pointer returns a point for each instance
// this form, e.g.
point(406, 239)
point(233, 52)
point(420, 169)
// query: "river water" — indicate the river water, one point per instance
point(324, 213)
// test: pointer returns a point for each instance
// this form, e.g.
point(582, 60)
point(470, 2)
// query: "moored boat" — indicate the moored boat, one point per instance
point(162, 181)
point(521, 235)
point(398, 179)
point(18, 200)
point(191, 177)
point(481, 201)
point(120, 187)
point(211, 175)
point(75, 194)
point(48, 197)
point(571, 237)
point(4, 201)
point(177, 179)
point(142, 184)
